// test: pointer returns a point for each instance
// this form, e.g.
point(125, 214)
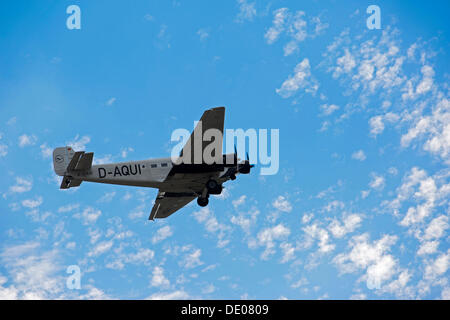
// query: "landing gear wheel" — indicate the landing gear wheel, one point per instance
point(202, 202)
point(212, 185)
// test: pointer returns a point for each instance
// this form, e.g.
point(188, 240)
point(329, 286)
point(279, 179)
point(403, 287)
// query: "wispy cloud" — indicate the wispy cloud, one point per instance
point(110, 101)
point(22, 185)
point(247, 11)
point(27, 140)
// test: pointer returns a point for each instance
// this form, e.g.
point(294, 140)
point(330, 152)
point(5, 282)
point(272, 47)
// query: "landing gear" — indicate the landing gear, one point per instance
point(213, 187)
point(212, 184)
point(202, 202)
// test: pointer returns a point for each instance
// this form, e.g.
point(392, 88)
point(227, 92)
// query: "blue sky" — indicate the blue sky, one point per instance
point(359, 208)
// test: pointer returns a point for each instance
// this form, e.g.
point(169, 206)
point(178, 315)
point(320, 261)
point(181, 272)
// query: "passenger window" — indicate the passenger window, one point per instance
point(164, 164)
point(153, 165)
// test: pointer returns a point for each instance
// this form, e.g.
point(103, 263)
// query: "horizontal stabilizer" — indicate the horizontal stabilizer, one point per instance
point(68, 182)
point(85, 163)
point(73, 163)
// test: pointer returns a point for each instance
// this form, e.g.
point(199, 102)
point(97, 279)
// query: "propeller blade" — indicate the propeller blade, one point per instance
point(236, 158)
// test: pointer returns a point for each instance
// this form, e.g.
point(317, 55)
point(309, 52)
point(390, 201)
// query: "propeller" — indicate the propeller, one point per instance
point(236, 157)
point(246, 166)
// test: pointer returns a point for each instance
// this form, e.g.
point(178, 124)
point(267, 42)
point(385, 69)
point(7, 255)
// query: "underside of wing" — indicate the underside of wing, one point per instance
point(167, 203)
point(211, 119)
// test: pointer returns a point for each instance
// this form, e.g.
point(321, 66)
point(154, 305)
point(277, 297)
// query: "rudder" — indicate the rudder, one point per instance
point(61, 159)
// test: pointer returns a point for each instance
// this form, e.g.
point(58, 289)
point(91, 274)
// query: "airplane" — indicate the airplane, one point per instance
point(179, 182)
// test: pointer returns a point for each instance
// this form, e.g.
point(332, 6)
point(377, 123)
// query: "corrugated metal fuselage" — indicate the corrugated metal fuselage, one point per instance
point(154, 173)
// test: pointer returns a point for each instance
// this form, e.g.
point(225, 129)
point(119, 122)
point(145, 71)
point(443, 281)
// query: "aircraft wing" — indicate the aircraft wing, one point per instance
point(211, 119)
point(167, 203)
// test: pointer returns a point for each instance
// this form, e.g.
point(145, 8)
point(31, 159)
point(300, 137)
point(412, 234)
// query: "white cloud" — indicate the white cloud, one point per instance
point(295, 27)
point(34, 274)
point(26, 140)
point(148, 17)
point(359, 155)
point(3, 148)
point(175, 295)
point(143, 256)
point(127, 196)
point(22, 185)
point(427, 191)
point(373, 258)
point(328, 109)
point(277, 27)
point(203, 34)
point(208, 289)
point(334, 206)
point(428, 247)
point(398, 287)
point(68, 208)
point(325, 125)
point(377, 182)
point(434, 129)
point(88, 216)
point(46, 151)
point(307, 217)
point(438, 267)
point(100, 248)
point(192, 260)
point(125, 151)
point(358, 296)
point(246, 220)
point(300, 283)
point(12, 121)
point(236, 203)
point(158, 278)
point(288, 252)
point(107, 197)
point(79, 144)
point(319, 26)
point(268, 236)
point(345, 64)
point(437, 227)
point(427, 81)
point(375, 68)
point(282, 204)
point(212, 225)
point(445, 293)
point(376, 125)
point(349, 223)
point(247, 11)
point(30, 203)
point(162, 234)
point(110, 102)
point(377, 122)
point(102, 160)
point(302, 79)
point(313, 232)
point(422, 194)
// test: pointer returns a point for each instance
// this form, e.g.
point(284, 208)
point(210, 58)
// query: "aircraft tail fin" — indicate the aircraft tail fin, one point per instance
point(66, 161)
point(61, 159)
